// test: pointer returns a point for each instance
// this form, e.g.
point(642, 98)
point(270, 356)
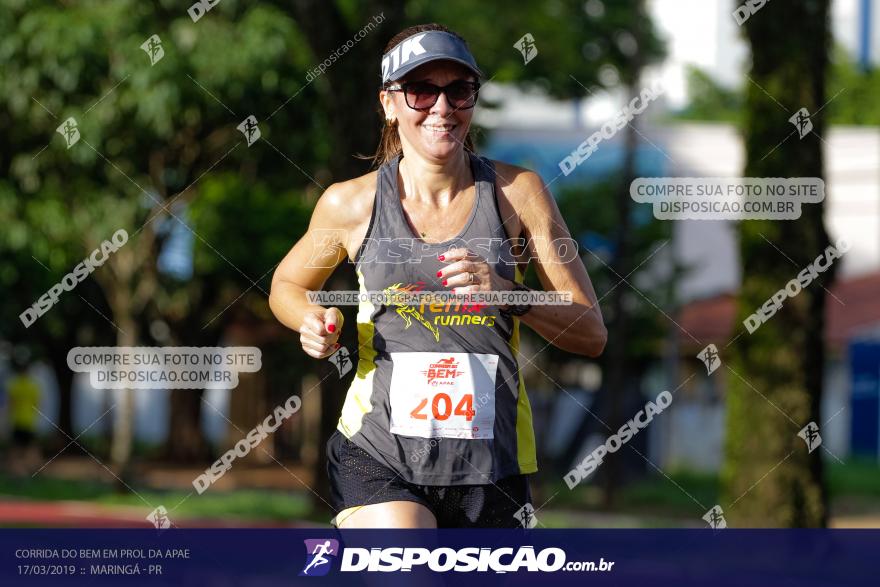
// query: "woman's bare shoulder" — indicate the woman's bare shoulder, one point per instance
point(517, 188)
point(517, 182)
point(347, 204)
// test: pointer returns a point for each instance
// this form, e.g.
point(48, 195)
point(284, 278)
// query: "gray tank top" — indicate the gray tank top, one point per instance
point(438, 395)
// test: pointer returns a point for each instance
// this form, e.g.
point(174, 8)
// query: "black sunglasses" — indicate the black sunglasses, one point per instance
point(461, 94)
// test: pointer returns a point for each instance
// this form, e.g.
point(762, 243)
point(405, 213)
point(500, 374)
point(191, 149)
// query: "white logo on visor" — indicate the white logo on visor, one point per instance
point(401, 54)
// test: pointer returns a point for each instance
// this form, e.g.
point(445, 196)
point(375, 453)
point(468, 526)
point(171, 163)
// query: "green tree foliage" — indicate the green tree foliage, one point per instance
point(575, 39)
point(852, 93)
point(151, 137)
point(709, 100)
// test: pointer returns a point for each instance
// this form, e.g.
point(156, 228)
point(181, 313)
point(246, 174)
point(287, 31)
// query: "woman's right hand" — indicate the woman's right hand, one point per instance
point(320, 331)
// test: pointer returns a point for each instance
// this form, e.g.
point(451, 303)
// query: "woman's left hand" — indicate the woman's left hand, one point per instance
point(467, 272)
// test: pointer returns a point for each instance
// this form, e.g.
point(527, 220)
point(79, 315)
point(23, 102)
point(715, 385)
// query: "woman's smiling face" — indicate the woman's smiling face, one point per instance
point(439, 132)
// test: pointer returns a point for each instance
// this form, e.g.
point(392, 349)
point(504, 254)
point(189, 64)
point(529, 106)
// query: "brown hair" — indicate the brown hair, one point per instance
point(389, 142)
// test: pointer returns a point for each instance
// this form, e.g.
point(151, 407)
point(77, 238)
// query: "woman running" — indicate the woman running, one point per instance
point(436, 428)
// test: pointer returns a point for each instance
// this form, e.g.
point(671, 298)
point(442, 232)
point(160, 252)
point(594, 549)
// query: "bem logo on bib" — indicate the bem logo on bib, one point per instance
point(401, 55)
point(443, 372)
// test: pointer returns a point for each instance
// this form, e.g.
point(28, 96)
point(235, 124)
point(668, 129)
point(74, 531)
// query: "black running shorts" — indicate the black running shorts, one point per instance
point(357, 479)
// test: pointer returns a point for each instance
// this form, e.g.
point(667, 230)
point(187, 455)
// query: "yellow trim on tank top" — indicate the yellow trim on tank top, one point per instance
point(525, 432)
point(357, 400)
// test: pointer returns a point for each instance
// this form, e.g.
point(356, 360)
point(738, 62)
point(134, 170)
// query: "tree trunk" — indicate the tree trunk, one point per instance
point(64, 377)
point(123, 428)
point(618, 365)
point(185, 442)
point(775, 386)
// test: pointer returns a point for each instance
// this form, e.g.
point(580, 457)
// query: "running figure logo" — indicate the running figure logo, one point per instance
point(408, 312)
point(715, 518)
point(159, 518)
point(318, 561)
point(342, 360)
point(709, 356)
point(68, 129)
point(327, 244)
point(526, 45)
point(801, 121)
point(153, 48)
point(249, 129)
point(810, 434)
point(526, 516)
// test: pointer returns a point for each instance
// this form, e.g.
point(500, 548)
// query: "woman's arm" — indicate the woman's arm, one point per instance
point(307, 267)
point(577, 328)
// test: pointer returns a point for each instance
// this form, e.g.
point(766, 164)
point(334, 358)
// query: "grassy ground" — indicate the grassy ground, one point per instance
point(856, 482)
point(857, 477)
point(245, 503)
point(653, 502)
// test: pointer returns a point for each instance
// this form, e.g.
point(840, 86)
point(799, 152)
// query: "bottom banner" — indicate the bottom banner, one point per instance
point(269, 557)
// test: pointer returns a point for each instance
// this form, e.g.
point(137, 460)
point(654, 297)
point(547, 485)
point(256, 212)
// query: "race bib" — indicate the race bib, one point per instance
point(443, 395)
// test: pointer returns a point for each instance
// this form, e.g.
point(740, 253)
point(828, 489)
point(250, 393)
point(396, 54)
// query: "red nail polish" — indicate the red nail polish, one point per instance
point(439, 273)
point(331, 328)
point(441, 257)
point(444, 282)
